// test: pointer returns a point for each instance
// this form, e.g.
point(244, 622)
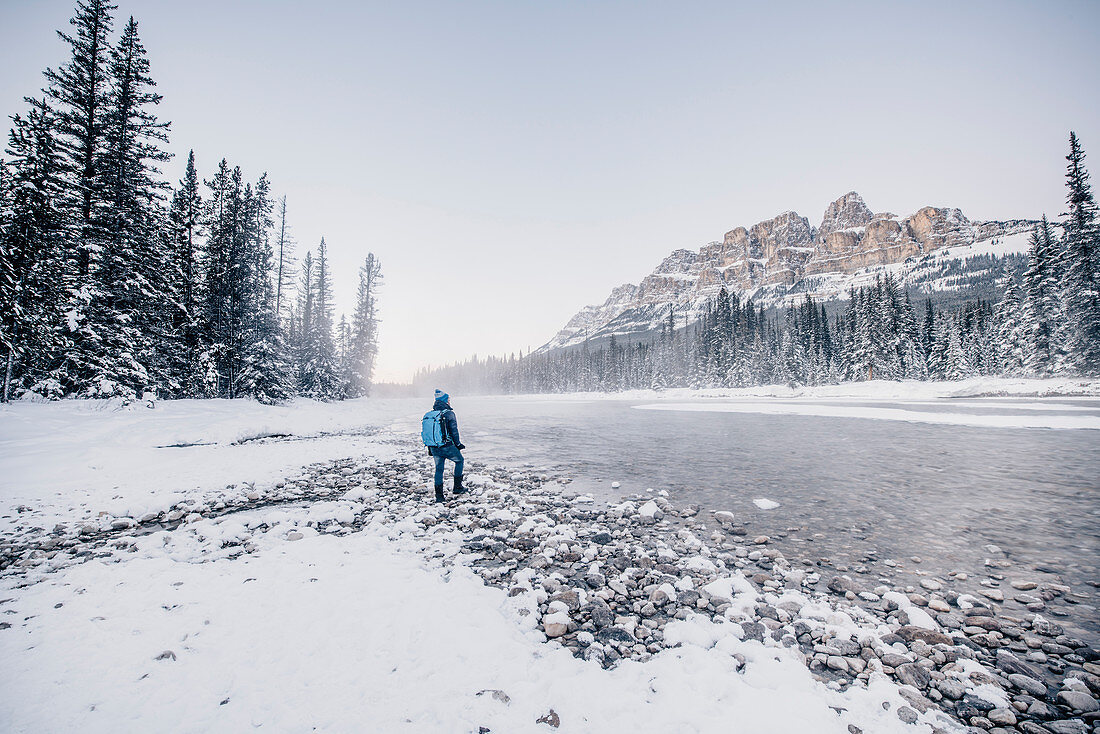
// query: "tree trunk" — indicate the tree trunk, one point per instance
point(7, 375)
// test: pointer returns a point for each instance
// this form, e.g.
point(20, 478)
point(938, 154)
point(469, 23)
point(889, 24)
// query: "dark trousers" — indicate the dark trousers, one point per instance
point(441, 454)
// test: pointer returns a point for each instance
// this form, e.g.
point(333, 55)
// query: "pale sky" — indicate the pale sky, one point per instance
point(510, 162)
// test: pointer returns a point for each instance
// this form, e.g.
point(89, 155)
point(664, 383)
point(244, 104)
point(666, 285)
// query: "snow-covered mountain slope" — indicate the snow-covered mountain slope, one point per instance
point(784, 258)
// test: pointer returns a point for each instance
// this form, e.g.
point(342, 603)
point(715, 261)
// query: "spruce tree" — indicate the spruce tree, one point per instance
point(1011, 331)
point(130, 295)
point(1081, 294)
point(319, 378)
point(79, 91)
point(363, 346)
point(184, 217)
point(1042, 304)
point(32, 262)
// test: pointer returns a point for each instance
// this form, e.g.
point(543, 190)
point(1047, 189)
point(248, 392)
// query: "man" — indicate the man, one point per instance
point(451, 447)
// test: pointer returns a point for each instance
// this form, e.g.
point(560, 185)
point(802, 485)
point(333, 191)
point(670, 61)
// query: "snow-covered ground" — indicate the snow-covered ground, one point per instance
point(64, 461)
point(174, 630)
point(359, 632)
point(891, 390)
point(377, 628)
point(1033, 418)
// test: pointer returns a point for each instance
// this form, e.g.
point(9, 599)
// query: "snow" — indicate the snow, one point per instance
point(765, 504)
point(1091, 422)
point(128, 461)
point(336, 631)
point(974, 387)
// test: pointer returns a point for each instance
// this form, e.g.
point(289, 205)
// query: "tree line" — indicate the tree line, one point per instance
point(1047, 322)
point(114, 283)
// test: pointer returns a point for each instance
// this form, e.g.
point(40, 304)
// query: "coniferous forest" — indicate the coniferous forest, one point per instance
point(114, 283)
point(1046, 322)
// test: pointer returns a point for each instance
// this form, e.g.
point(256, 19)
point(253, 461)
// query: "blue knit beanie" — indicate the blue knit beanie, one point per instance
point(440, 395)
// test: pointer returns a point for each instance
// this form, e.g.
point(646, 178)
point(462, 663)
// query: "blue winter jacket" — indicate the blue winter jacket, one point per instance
point(450, 424)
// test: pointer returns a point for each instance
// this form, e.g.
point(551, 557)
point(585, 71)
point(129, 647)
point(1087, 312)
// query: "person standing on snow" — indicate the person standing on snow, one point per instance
point(440, 434)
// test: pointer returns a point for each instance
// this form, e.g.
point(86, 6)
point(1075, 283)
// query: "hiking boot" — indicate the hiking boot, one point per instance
point(459, 489)
point(439, 493)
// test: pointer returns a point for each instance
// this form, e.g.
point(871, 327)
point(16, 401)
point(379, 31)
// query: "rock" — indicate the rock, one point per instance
point(835, 662)
point(1002, 717)
point(1042, 710)
point(602, 538)
point(569, 597)
point(842, 585)
point(914, 675)
point(939, 605)
point(916, 699)
point(893, 660)
point(847, 648)
point(614, 634)
point(556, 624)
point(1028, 684)
point(600, 613)
point(294, 535)
point(951, 688)
point(1030, 727)
point(908, 715)
point(497, 694)
point(1045, 627)
point(986, 623)
point(1009, 663)
point(595, 580)
point(550, 718)
point(649, 513)
point(994, 594)
point(912, 632)
point(1024, 585)
point(753, 631)
point(166, 655)
point(1078, 701)
point(1067, 726)
point(725, 518)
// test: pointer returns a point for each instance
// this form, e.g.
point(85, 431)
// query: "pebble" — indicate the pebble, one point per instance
point(1078, 701)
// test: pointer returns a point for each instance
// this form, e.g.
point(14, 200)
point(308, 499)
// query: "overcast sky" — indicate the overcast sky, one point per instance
point(510, 162)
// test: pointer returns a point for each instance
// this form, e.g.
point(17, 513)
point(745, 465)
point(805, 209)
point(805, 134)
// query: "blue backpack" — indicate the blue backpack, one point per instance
point(431, 429)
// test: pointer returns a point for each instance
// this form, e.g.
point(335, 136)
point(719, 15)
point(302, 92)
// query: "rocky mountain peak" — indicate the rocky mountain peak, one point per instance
point(846, 212)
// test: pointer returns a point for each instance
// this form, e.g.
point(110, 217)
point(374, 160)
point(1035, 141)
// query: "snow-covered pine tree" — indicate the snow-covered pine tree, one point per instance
point(1042, 301)
point(79, 94)
point(32, 254)
point(320, 378)
point(184, 217)
point(130, 295)
point(1080, 289)
point(363, 346)
point(226, 268)
point(1010, 340)
point(265, 372)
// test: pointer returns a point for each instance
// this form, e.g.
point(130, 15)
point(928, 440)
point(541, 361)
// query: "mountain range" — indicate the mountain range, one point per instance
point(782, 259)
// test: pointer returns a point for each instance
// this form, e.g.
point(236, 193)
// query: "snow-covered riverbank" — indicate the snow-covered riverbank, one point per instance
point(233, 588)
point(339, 611)
point(975, 387)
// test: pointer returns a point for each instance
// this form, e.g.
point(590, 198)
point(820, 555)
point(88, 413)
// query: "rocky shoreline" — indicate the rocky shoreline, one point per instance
point(605, 581)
